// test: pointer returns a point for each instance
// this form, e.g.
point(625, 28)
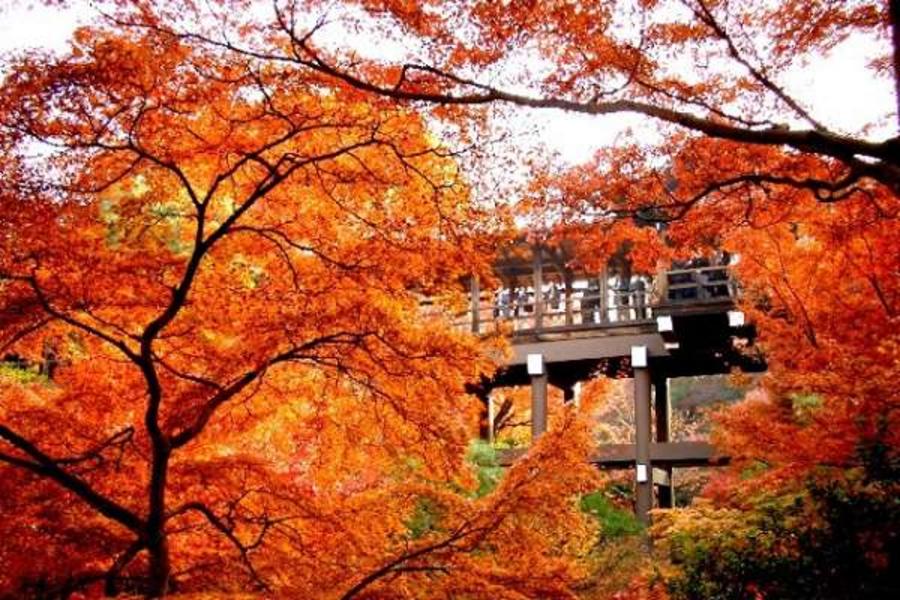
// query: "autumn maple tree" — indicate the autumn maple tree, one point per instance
point(741, 163)
point(701, 69)
point(218, 220)
point(221, 267)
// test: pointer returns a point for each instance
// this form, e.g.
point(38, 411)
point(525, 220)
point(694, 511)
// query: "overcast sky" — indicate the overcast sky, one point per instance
point(839, 89)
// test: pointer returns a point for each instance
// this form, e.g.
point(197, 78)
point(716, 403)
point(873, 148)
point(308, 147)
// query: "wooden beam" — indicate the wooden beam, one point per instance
point(581, 348)
point(621, 456)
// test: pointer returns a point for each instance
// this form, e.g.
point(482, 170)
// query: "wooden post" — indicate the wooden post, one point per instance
point(538, 406)
point(475, 293)
point(539, 383)
point(665, 493)
point(603, 302)
point(643, 468)
point(567, 275)
point(663, 409)
point(538, 284)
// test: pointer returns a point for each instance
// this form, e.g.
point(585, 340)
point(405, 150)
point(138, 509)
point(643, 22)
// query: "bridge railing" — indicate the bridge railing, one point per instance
point(580, 309)
point(698, 284)
point(519, 311)
point(587, 305)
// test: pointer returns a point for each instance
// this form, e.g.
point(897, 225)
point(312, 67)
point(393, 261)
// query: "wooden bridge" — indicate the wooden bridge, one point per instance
point(567, 326)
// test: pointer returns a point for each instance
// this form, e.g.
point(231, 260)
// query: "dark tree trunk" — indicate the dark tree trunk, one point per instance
point(157, 543)
point(484, 426)
point(160, 568)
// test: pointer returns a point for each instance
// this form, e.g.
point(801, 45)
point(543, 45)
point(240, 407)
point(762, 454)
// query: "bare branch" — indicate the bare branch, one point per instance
point(228, 532)
point(44, 465)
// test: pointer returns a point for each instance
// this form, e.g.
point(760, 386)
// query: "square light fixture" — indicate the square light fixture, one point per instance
point(664, 324)
point(735, 318)
point(641, 473)
point(535, 363)
point(639, 356)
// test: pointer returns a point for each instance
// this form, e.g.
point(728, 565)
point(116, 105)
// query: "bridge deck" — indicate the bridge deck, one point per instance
point(566, 327)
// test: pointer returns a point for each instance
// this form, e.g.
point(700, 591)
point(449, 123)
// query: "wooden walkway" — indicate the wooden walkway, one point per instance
point(571, 327)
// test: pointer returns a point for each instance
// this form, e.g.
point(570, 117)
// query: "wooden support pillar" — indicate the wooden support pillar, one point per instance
point(538, 284)
point(643, 468)
point(570, 317)
point(663, 409)
point(475, 294)
point(665, 493)
point(539, 384)
point(603, 302)
point(538, 405)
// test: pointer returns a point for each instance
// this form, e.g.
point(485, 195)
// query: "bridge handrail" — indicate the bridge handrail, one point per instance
point(592, 307)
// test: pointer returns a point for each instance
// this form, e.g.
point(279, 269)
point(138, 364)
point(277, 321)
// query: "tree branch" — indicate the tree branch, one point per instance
point(228, 532)
point(47, 467)
point(230, 391)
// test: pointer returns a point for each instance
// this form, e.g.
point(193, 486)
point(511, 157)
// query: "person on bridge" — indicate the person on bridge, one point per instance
point(554, 297)
point(639, 295)
point(502, 304)
point(591, 303)
point(521, 305)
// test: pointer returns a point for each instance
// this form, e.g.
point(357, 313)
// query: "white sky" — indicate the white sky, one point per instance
point(838, 88)
point(21, 27)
